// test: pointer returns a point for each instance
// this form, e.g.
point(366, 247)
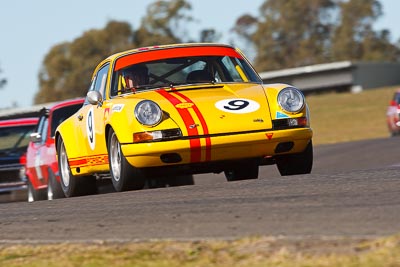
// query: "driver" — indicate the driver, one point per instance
point(135, 76)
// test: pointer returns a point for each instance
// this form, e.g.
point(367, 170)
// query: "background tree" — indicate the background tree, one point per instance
point(354, 37)
point(295, 33)
point(66, 70)
point(209, 36)
point(244, 28)
point(290, 33)
point(165, 23)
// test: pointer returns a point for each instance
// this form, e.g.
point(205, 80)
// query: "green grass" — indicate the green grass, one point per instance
point(349, 117)
point(257, 252)
point(334, 118)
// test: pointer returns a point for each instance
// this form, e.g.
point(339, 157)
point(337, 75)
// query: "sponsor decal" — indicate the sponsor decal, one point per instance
point(280, 115)
point(269, 135)
point(184, 105)
point(90, 129)
point(118, 107)
point(237, 105)
point(88, 161)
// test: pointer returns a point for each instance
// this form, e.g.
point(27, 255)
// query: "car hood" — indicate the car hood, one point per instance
point(216, 109)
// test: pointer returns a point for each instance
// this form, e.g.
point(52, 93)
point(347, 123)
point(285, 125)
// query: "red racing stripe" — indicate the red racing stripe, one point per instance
point(195, 145)
point(145, 55)
point(203, 124)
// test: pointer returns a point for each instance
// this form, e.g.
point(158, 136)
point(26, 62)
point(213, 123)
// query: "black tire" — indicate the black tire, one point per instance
point(54, 190)
point(73, 185)
point(35, 195)
point(294, 164)
point(246, 171)
point(124, 176)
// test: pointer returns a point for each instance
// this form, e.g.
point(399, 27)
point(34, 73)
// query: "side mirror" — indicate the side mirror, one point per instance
point(94, 98)
point(35, 137)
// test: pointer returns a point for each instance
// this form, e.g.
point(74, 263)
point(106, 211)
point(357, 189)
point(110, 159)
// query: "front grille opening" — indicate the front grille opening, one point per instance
point(284, 147)
point(171, 158)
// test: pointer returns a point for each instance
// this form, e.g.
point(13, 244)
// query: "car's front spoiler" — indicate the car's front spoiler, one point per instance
point(216, 148)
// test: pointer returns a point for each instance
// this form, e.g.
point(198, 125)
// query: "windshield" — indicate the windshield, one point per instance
point(15, 139)
point(183, 71)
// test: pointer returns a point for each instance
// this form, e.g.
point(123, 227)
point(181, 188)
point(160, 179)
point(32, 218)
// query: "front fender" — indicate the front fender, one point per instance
point(70, 134)
point(123, 121)
point(271, 92)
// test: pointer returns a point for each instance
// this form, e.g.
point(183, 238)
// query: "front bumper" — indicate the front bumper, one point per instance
point(216, 148)
point(10, 178)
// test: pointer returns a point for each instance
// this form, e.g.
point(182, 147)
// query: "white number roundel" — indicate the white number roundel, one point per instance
point(90, 129)
point(237, 105)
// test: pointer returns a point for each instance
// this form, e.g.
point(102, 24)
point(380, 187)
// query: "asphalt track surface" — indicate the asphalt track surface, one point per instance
point(353, 192)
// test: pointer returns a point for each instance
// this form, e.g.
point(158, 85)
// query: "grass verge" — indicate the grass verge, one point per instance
point(349, 117)
point(257, 252)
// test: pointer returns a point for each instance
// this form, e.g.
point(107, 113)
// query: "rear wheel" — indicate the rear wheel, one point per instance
point(54, 189)
point(245, 171)
point(73, 185)
point(294, 164)
point(35, 195)
point(124, 176)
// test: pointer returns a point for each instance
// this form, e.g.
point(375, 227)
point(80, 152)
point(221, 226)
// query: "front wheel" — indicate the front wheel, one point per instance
point(294, 164)
point(35, 195)
point(73, 185)
point(124, 176)
point(54, 189)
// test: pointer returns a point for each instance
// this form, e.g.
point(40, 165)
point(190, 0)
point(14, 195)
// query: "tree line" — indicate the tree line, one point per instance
point(285, 34)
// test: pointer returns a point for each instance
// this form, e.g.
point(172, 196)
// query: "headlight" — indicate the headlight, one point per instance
point(291, 99)
point(148, 113)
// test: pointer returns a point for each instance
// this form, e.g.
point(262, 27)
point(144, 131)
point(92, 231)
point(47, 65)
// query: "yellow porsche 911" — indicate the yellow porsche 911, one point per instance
point(168, 112)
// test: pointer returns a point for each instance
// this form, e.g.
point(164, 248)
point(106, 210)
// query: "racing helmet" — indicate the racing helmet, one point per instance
point(135, 76)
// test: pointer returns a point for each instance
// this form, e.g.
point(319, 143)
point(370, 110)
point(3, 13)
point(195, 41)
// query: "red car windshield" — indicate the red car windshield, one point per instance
point(15, 139)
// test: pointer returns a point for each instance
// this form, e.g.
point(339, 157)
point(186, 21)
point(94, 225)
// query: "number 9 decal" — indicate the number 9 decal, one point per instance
point(237, 105)
point(90, 129)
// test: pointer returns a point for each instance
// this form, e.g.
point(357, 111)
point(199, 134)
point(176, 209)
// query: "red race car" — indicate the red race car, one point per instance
point(41, 162)
point(392, 114)
point(14, 139)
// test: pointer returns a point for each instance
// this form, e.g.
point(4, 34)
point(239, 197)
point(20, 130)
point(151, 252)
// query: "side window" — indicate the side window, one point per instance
point(42, 128)
point(101, 80)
